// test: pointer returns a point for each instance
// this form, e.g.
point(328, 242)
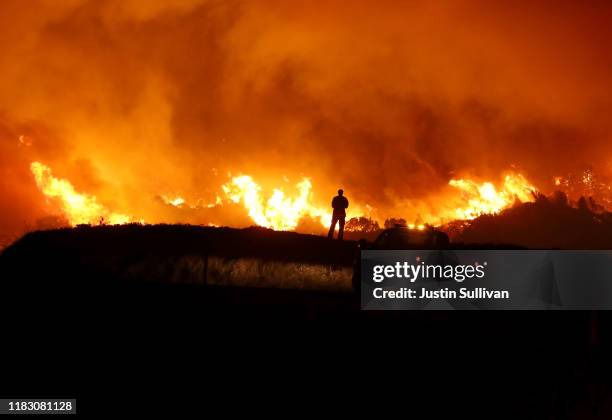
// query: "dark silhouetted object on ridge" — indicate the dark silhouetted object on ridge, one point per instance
point(339, 204)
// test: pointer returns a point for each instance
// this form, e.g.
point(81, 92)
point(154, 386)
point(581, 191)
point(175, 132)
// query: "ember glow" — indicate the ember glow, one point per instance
point(586, 183)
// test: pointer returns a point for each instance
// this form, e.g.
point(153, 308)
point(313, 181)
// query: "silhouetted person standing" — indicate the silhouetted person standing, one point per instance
point(339, 204)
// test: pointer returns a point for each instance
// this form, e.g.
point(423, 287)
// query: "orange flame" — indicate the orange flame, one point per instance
point(79, 208)
point(486, 199)
point(278, 211)
point(177, 201)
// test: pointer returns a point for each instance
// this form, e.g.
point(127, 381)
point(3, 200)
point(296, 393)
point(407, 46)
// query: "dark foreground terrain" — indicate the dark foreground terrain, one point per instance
point(74, 301)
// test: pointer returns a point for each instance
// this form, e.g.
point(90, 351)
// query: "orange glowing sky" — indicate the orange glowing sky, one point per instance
point(132, 101)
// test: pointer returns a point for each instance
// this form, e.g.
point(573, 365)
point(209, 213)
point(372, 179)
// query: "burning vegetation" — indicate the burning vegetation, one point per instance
point(78, 208)
point(485, 198)
point(470, 220)
point(588, 184)
point(281, 211)
point(278, 212)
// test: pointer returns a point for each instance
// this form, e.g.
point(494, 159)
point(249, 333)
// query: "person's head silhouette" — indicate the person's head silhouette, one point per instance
point(340, 192)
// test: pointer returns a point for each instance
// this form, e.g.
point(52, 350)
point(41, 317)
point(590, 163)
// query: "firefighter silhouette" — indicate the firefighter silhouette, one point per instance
point(339, 204)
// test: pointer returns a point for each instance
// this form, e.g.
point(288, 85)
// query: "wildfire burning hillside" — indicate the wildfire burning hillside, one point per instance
point(137, 110)
point(279, 210)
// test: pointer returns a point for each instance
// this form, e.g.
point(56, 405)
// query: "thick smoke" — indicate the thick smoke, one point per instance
point(134, 99)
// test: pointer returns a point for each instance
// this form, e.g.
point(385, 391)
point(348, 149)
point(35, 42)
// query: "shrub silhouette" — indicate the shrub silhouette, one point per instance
point(362, 224)
point(393, 222)
point(546, 223)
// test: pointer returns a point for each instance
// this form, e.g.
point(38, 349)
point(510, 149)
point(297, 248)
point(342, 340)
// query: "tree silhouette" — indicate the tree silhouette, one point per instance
point(393, 222)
